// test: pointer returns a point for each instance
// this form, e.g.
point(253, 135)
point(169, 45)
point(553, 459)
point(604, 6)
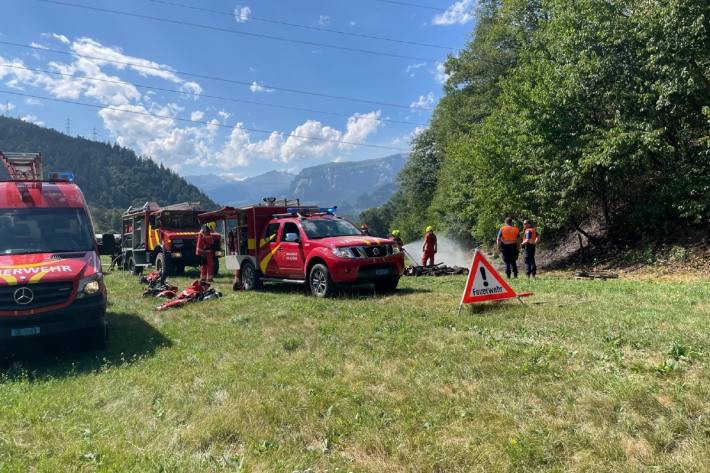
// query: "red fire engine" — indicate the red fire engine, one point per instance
point(51, 280)
point(164, 237)
point(287, 242)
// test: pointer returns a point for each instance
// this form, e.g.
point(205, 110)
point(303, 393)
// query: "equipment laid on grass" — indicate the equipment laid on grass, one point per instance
point(485, 284)
point(163, 237)
point(158, 286)
point(284, 241)
point(439, 269)
point(193, 293)
point(604, 275)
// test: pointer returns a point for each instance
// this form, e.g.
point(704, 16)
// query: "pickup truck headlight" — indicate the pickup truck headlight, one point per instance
point(90, 286)
point(395, 250)
point(343, 252)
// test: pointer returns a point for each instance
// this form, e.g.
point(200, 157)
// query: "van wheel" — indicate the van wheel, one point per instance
point(164, 263)
point(319, 281)
point(387, 286)
point(250, 279)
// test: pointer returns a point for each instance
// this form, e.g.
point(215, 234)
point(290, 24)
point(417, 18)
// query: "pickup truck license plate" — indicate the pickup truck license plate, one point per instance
point(382, 272)
point(24, 332)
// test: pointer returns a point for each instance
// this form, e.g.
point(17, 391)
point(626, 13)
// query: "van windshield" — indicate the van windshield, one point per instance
point(325, 228)
point(35, 230)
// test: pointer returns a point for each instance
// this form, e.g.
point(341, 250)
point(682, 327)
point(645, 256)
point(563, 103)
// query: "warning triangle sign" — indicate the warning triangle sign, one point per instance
point(484, 283)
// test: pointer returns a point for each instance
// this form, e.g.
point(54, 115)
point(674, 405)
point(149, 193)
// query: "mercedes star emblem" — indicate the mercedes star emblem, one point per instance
point(24, 296)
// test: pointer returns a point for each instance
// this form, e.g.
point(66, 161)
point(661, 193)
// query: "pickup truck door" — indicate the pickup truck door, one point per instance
point(268, 248)
point(290, 253)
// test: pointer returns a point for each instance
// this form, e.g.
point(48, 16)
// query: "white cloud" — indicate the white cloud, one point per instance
point(459, 13)
point(6, 108)
point(191, 88)
point(440, 73)
point(308, 140)
point(324, 20)
point(353, 23)
point(423, 102)
point(152, 127)
point(256, 87)
point(61, 38)
point(413, 67)
point(38, 46)
point(32, 119)
point(33, 101)
point(242, 14)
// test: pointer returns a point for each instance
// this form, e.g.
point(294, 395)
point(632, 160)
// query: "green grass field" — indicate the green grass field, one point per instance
point(588, 376)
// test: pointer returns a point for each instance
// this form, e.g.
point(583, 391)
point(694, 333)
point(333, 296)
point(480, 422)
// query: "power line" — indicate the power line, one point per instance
point(208, 77)
point(233, 31)
point(200, 122)
point(201, 95)
point(305, 27)
point(410, 4)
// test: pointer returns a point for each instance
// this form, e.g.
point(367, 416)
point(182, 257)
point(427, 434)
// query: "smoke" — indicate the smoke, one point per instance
point(449, 251)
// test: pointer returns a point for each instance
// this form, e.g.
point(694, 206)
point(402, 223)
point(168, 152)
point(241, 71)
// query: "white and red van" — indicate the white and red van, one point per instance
point(51, 281)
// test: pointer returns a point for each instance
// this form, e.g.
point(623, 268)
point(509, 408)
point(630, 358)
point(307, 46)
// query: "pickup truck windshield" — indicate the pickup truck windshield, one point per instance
point(25, 231)
point(179, 221)
point(326, 228)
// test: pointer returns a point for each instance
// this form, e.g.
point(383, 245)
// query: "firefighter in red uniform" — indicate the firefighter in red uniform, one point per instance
point(429, 249)
point(530, 239)
point(205, 240)
point(509, 245)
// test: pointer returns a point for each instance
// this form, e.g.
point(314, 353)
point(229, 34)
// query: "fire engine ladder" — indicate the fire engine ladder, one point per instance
point(23, 166)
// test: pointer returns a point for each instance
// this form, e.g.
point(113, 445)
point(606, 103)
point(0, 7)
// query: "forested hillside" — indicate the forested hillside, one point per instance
point(111, 177)
point(568, 113)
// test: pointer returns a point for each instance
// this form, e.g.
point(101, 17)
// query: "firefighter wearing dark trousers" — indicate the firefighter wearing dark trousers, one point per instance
point(204, 250)
point(530, 239)
point(508, 242)
point(430, 247)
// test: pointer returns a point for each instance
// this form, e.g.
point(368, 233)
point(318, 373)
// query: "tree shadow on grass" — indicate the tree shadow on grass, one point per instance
point(130, 339)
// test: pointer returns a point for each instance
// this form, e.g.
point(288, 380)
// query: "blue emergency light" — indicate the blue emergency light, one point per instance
point(61, 176)
point(329, 210)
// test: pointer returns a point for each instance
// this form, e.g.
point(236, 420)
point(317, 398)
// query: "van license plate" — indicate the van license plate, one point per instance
point(24, 332)
point(382, 272)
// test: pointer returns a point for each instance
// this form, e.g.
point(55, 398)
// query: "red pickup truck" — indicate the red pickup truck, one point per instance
point(307, 245)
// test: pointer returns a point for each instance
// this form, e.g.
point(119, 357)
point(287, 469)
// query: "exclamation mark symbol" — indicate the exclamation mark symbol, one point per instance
point(483, 275)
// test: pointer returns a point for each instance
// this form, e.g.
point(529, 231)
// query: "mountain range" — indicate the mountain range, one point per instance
point(352, 186)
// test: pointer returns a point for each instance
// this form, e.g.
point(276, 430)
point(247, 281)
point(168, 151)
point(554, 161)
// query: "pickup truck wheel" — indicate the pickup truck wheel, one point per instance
point(319, 281)
point(387, 286)
point(250, 280)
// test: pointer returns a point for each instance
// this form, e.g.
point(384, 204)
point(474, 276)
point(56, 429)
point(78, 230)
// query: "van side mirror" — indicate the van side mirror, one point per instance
point(108, 244)
point(292, 237)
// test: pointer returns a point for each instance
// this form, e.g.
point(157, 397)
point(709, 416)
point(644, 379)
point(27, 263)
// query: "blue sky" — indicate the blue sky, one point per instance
point(194, 134)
